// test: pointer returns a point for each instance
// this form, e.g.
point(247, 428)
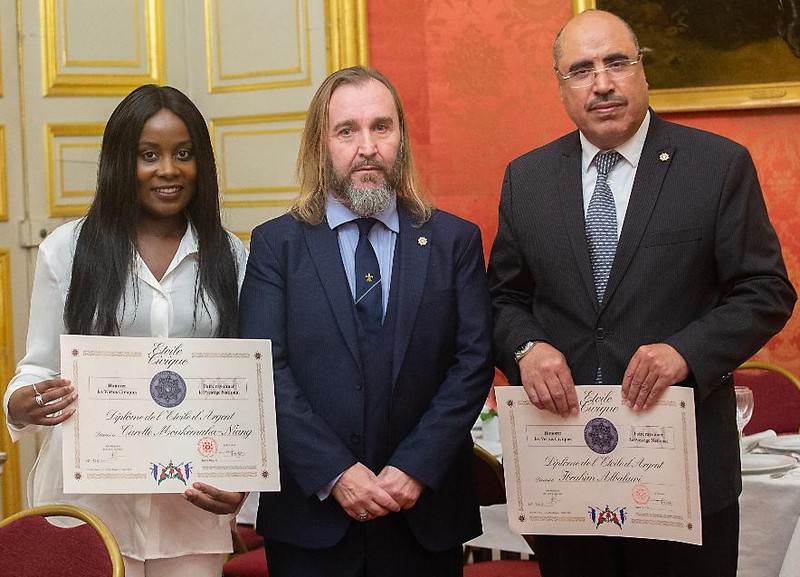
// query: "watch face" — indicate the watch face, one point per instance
point(522, 349)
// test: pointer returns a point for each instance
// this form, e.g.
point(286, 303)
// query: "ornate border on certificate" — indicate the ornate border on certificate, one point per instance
point(608, 471)
point(155, 415)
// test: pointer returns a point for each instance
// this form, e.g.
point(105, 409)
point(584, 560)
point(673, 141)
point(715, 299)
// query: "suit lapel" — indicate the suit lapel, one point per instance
point(654, 163)
point(570, 191)
point(323, 245)
point(410, 283)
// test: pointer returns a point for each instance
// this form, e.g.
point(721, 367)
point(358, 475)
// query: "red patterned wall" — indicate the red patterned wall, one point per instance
point(475, 78)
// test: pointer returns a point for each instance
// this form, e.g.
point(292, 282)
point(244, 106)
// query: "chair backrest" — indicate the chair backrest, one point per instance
point(489, 478)
point(34, 547)
point(776, 397)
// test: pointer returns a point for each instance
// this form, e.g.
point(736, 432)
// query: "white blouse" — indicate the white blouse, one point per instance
point(145, 526)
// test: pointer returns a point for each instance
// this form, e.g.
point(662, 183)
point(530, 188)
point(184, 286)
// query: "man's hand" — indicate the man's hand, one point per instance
point(650, 371)
point(403, 488)
point(548, 380)
point(361, 496)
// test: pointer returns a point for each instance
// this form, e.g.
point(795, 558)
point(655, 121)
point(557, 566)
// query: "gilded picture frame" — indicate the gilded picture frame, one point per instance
point(717, 54)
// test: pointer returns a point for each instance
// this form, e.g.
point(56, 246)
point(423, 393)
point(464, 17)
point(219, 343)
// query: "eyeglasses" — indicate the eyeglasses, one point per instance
point(584, 77)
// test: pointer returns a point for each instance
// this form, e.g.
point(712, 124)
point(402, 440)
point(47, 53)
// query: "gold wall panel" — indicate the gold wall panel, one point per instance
point(247, 46)
point(1, 64)
point(3, 177)
point(12, 499)
point(257, 155)
point(72, 154)
point(97, 47)
point(348, 44)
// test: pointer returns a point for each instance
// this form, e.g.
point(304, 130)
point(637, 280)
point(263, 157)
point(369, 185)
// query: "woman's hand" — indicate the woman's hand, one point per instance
point(213, 499)
point(45, 403)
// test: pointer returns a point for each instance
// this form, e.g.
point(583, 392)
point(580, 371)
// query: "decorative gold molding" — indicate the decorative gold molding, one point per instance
point(213, 48)
point(348, 44)
point(218, 141)
point(1, 68)
point(12, 497)
point(59, 82)
point(3, 177)
point(55, 186)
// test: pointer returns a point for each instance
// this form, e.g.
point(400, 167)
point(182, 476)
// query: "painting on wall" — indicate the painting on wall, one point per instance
point(715, 54)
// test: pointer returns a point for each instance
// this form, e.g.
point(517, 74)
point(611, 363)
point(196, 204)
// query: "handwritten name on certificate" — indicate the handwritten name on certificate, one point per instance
point(607, 471)
point(155, 415)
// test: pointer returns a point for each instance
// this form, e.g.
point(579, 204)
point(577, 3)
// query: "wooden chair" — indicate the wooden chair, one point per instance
point(32, 546)
point(491, 488)
point(503, 568)
point(489, 477)
point(776, 397)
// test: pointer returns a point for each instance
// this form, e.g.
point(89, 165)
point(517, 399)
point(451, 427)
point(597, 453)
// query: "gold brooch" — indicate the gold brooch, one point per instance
point(422, 241)
point(368, 277)
point(663, 157)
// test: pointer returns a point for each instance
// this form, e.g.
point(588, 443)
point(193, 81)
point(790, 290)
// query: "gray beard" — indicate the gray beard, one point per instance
point(365, 202)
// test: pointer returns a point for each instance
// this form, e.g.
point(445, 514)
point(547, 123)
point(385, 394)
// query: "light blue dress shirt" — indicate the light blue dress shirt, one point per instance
point(382, 237)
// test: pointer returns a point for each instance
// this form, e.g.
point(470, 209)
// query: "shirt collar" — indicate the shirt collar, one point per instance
point(188, 242)
point(339, 214)
point(631, 150)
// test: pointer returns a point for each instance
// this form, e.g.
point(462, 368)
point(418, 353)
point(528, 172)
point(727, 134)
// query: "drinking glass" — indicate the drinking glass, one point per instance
point(744, 408)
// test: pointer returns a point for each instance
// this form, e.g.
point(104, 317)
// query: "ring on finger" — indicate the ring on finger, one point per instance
point(39, 399)
point(363, 516)
point(35, 390)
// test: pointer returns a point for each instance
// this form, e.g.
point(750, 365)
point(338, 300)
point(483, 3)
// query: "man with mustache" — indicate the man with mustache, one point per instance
point(639, 253)
point(379, 315)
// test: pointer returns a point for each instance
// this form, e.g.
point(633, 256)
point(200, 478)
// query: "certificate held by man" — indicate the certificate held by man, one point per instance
point(607, 471)
point(155, 415)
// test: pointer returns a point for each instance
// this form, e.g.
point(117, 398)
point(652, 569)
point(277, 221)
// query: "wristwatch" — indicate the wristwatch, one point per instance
point(523, 350)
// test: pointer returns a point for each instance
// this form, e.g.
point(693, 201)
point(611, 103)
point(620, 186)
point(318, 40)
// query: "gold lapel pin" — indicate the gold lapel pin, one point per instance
point(663, 157)
point(422, 241)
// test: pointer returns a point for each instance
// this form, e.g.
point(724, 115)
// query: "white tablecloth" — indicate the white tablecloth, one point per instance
point(769, 535)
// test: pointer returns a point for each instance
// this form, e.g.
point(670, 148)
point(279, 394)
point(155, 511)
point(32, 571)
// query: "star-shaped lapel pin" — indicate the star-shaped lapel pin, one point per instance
point(422, 241)
point(664, 156)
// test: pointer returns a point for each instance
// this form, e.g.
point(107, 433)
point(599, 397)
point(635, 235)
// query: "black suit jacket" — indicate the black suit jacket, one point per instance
point(698, 266)
point(296, 293)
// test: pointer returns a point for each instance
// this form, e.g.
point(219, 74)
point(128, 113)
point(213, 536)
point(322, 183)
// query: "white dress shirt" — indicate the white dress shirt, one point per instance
point(145, 526)
point(622, 174)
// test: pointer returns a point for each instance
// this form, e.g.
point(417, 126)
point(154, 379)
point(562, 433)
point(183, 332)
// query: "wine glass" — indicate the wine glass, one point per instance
point(744, 408)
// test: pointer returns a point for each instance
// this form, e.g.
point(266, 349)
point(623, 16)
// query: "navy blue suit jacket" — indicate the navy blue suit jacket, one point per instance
point(296, 293)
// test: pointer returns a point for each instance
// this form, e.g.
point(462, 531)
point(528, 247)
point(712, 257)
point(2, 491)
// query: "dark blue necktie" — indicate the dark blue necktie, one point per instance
point(369, 299)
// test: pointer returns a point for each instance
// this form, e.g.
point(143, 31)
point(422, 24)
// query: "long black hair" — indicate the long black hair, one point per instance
point(105, 254)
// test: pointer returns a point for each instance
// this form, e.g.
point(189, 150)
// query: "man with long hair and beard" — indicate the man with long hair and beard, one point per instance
point(378, 312)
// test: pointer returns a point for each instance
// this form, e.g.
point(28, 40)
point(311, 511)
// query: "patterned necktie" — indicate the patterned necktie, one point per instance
point(601, 229)
point(601, 223)
point(369, 300)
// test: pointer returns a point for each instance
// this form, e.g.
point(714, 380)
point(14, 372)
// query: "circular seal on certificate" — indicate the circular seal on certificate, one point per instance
point(207, 446)
point(601, 435)
point(641, 494)
point(168, 389)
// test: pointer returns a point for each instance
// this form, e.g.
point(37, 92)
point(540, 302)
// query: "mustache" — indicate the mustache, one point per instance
point(607, 99)
point(376, 164)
